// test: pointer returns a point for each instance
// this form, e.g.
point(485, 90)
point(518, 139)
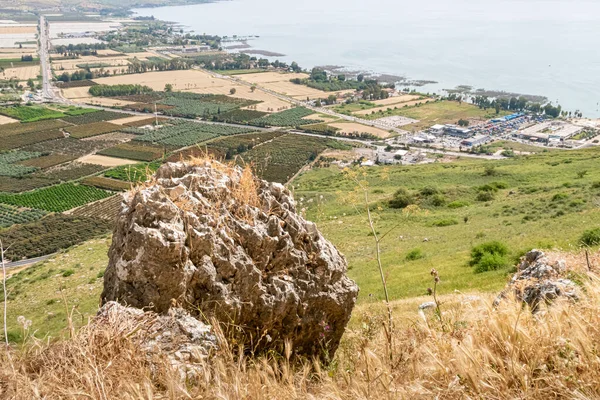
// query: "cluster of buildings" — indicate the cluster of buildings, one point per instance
point(470, 139)
point(550, 131)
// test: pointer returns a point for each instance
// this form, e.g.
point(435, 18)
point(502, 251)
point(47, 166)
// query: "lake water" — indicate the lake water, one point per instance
point(540, 47)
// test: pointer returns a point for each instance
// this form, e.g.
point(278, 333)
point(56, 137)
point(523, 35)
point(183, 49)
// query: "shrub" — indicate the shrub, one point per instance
point(490, 170)
point(402, 199)
point(489, 256)
point(429, 191)
point(459, 204)
point(67, 273)
point(414, 254)
point(485, 196)
point(590, 237)
point(445, 222)
point(438, 200)
point(499, 185)
point(596, 185)
point(560, 196)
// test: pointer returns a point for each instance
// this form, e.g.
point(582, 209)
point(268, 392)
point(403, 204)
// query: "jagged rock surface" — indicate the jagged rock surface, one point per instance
point(222, 244)
point(538, 282)
point(185, 341)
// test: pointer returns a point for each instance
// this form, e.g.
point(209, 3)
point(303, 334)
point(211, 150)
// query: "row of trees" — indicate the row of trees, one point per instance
point(513, 104)
point(118, 90)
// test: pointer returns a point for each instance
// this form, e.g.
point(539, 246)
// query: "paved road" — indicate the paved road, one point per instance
point(47, 90)
point(29, 261)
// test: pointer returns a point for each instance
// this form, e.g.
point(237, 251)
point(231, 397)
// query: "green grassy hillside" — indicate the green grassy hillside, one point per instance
point(545, 201)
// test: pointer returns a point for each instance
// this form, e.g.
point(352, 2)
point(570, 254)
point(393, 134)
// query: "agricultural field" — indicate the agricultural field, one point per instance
point(72, 171)
point(30, 113)
point(106, 209)
point(191, 105)
point(104, 161)
point(355, 129)
point(8, 166)
point(229, 147)
point(90, 118)
point(437, 112)
point(134, 173)
point(185, 133)
point(93, 129)
point(50, 234)
point(240, 116)
point(19, 128)
point(75, 84)
point(26, 139)
point(538, 201)
point(102, 182)
point(25, 183)
point(292, 117)
point(280, 159)
point(4, 120)
point(70, 146)
point(47, 161)
point(58, 198)
point(135, 151)
point(10, 215)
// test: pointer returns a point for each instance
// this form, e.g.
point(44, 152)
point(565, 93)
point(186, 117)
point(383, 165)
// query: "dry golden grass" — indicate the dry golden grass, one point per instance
point(17, 29)
point(399, 105)
point(21, 73)
point(352, 127)
point(474, 352)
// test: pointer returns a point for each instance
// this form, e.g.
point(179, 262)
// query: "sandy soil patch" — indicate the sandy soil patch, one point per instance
point(7, 120)
point(269, 103)
point(57, 28)
point(401, 105)
point(21, 73)
point(396, 99)
point(105, 102)
point(354, 127)
point(14, 52)
point(128, 120)
point(107, 52)
point(181, 80)
point(105, 161)
point(17, 29)
point(322, 117)
point(266, 77)
point(76, 92)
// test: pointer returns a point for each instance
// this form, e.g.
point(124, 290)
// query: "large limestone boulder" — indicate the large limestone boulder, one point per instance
point(221, 244)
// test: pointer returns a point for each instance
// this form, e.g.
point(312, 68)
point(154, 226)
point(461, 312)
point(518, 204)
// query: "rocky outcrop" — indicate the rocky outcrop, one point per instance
point(221, 244)
point(538, 281)
point(182, 339)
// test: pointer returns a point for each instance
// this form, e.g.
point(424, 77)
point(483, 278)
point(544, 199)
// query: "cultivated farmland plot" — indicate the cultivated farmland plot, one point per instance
point(135, 151)
point(291, 117)
point(93, 129)
point(30, 113)
point(25, 139)
point(100, 116)
point(186, 133)
point(20, 128)
point(10, 215)
point(8, 166)
point(56, 198)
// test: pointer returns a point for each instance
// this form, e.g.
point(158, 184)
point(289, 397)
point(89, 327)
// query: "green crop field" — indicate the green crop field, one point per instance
point(8, 166)
point(135, 151)
point(50, 234)
point(30, 113)
point(20, 128)
point(544, 200)
point(106, 183)
point(55, 198)
point(291, 117)
point(26, 139)
point(93, 129)
point(191, 105)
point(133, 173)
point(10, 215)
point(90, 118)
point(280, 159)
point(186, 133)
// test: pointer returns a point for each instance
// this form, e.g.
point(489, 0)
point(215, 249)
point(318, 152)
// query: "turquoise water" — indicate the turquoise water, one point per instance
point(540, 47)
